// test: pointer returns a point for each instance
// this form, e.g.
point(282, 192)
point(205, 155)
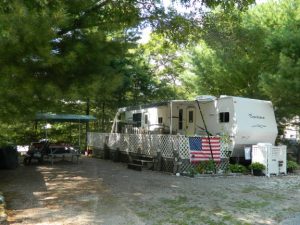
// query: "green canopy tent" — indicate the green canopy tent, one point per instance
point(51, 117)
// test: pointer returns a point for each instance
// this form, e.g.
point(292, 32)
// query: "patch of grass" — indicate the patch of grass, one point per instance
point(181, 210)
point(223, 218)
point(279, 216)
point(227, 217)
point(295, 186)
point(174, 202)
point(144, 214)
point(271, 196)
point(291, 209)
point(249, 189)
point(247, 204)
point(188, 221)
point(220, 194)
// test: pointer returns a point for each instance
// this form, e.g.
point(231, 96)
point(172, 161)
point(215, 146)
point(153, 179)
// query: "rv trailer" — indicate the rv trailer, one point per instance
point(246, 121)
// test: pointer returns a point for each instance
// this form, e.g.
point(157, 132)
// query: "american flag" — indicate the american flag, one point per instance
point(200, 149)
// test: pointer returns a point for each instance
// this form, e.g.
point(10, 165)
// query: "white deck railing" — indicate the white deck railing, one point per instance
point(148, 144)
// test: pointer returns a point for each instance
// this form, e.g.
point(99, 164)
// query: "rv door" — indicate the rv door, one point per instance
point(190, 121)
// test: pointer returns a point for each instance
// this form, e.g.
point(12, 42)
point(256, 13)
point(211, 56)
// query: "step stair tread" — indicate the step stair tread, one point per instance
point(134, 166)
point(142, 161)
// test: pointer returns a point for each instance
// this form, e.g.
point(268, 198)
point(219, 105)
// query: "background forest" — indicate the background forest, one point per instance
point(87, 57)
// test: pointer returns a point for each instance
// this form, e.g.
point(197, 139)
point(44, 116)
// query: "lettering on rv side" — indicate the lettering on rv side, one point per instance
point(259, 125)
point(256, 116)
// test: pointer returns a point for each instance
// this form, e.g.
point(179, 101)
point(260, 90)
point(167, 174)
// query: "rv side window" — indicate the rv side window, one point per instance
point(146, 119)
point(180, 119)
point(224, 117)
point(160, 120)
point(191, 116)
point(137, 119)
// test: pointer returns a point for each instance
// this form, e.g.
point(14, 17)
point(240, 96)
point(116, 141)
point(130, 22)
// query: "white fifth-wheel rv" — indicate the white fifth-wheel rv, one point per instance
point(246, 121)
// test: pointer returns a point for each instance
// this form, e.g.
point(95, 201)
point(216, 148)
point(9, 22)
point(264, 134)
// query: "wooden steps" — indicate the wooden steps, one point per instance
point(141, 162)
point(134, 166)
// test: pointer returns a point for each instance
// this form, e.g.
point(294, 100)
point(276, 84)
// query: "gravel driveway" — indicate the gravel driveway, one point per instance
point(103, 192)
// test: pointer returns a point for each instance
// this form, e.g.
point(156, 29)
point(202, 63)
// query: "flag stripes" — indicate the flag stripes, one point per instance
point(202, 147)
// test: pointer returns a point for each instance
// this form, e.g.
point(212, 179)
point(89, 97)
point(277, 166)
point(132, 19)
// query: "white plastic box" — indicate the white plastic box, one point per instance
point(273, 157)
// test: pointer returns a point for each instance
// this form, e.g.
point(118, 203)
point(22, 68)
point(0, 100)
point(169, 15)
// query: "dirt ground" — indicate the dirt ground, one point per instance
point(98, 191)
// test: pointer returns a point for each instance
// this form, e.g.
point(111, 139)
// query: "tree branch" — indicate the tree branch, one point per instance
point(78, 22)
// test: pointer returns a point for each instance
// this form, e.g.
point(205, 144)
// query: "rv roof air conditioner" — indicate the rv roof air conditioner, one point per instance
point(205, 98)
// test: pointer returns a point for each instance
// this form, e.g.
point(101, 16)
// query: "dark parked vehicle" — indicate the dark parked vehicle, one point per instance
point(8, 157)
point(42, 150)
point(37, 151)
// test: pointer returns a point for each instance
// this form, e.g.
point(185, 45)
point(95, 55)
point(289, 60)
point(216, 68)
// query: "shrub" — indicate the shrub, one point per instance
point(206, 167)
point(237, 168)
point(257, 166)
point(292, 165)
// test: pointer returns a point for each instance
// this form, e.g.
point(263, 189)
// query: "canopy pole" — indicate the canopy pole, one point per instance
point(45, 127)
point(79, 138)
point(171, 115)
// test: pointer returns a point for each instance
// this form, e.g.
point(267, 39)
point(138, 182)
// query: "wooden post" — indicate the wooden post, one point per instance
point(175, 159)
point(159, 159)
point(87, 123)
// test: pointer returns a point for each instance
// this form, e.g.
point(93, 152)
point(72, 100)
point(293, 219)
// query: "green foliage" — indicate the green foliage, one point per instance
point(292, 165)
point(280, 82)
point(257, 166)
point(57, 52)
point(54, 53)
point(228, 54)
point(229, 4)
point(57, 55)
point(237, 168)
point(249, 204)
point(206, 167)
point(192, 172)
point(254, 53)
point(168, 63)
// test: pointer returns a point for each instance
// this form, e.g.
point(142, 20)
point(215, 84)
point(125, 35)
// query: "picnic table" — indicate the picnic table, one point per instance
point(63, 152)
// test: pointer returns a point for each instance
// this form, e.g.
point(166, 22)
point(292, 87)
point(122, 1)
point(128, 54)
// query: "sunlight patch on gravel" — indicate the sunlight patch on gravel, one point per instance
point(103, 192)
